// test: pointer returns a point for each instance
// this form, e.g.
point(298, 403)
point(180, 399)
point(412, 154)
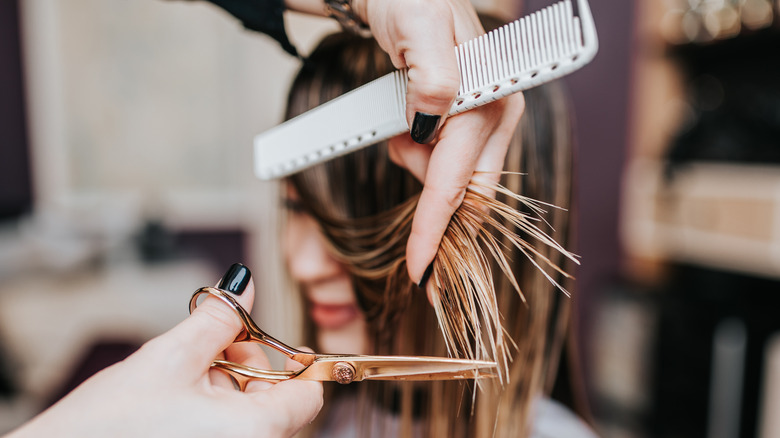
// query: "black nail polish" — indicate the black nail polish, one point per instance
point(235, 279)
point(424, 127)
point(425, 276)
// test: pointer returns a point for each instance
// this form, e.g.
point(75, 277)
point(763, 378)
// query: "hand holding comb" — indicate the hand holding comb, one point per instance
point(535, 49)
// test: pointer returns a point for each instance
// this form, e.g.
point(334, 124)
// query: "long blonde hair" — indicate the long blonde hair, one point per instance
point(496, 275)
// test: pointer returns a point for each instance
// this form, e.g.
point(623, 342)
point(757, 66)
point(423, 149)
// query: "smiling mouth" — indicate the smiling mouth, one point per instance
point(333, 316)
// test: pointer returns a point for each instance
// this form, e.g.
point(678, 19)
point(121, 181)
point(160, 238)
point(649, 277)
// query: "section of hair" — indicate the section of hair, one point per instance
point(490, 266)
point(464, 294)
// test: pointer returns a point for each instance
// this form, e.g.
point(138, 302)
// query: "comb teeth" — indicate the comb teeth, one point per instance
point(535, 49)
point(517, 52)
point(317, 135)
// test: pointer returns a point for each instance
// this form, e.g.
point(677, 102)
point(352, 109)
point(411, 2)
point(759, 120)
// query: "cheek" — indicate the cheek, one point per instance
point(351, 338)
point(290, 241)
point(297, 249)
point(306, 254)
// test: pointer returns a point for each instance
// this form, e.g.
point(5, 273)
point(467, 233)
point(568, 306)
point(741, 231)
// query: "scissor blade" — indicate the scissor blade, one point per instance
point(428, 369)
point(399, 368)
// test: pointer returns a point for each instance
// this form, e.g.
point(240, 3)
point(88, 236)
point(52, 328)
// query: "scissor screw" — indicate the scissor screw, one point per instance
point(343, 372)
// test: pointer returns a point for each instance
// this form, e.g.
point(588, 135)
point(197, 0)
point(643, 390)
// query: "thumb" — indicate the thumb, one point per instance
point(213, 325)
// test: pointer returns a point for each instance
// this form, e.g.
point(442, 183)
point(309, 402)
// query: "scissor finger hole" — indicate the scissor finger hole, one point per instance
point(203, 293)
point(236, 385)
point(197, 300)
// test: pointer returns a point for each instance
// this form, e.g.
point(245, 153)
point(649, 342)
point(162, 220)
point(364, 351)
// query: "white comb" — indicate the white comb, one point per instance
point(535, 49)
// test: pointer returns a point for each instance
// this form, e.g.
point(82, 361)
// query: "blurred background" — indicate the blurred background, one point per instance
point(126, 183)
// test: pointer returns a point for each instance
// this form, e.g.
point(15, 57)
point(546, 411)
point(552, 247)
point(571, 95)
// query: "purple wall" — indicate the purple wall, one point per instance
point(15, 186)
point(600, 94)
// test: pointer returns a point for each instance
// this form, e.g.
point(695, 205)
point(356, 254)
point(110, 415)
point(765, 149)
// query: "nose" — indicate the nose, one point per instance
point(308, 258)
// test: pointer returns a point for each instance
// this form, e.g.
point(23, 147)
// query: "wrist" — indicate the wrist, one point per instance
point(346, 13)
point(360, 10)
point(311, 7)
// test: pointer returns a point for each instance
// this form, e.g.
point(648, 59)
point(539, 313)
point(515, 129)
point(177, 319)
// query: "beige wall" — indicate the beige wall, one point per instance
point(149, 97)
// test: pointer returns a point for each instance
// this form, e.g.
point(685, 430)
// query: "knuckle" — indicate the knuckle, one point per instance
point(429, 7)
point(484, 180)
point(425, 11)
point(454, 198)
point(451, 196)
point(395, 155)
point(439, 86)
point(515, 105)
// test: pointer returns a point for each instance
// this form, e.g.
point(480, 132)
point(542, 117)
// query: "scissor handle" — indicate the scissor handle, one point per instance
point(251, 332)
point(243, 374)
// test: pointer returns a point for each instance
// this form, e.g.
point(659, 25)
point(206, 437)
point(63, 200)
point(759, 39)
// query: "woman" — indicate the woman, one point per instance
point(348, 221)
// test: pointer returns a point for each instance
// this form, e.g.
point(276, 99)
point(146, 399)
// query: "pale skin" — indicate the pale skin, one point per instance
point(166, 389)
point(473, 141)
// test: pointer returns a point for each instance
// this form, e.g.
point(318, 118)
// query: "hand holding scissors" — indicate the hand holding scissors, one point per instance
point(341, 368)
point(166, 387)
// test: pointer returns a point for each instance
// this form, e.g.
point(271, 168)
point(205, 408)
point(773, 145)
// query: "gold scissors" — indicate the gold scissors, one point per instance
point(341, 368)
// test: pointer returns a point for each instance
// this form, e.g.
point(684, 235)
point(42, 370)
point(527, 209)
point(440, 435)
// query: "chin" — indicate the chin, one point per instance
point(350, 338)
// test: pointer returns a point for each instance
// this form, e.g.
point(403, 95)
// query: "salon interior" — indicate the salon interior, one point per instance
point(125, 185)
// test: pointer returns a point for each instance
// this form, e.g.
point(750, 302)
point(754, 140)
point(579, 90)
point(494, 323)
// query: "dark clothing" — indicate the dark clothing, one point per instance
point(262, 16)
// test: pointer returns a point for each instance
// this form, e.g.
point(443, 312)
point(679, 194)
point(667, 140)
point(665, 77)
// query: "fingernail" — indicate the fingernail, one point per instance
point(235, 279)
point(425, 276)
point(424, 127)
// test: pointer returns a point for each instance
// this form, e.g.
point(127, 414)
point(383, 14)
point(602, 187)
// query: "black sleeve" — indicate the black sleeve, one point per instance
point(262, 16)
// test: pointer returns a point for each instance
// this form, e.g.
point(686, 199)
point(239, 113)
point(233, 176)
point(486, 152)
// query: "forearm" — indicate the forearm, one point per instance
point(266, 15)
point(312, 7)
point(262, 16)
point(318, 7)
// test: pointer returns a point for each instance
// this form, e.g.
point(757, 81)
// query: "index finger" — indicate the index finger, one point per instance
point(477, 140)
point(448, 175)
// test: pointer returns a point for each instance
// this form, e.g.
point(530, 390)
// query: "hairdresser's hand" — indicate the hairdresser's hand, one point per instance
point(166, 389)
point(421, 35)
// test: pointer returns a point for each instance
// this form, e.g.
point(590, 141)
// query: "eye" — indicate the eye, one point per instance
point(294, 205)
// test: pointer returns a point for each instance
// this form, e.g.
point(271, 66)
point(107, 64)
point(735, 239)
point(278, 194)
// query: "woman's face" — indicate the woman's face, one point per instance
point(326, 286)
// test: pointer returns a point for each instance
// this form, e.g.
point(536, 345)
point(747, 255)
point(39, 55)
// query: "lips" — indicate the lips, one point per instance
point(333, 316)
